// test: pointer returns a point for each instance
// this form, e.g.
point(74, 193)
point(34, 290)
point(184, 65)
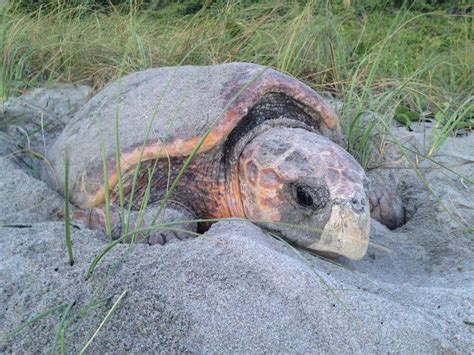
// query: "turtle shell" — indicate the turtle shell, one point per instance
point(165, 112)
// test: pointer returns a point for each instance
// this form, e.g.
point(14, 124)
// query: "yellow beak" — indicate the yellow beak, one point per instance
point(346, 233)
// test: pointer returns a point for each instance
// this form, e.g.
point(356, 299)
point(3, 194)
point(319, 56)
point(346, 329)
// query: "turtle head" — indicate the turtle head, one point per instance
point(308, 188)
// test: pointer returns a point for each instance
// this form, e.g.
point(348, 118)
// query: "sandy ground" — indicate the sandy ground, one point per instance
point(236, 289)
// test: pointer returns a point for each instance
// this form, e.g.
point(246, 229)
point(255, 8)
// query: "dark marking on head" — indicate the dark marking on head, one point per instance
point(333, 174)
point(268, 202)
point(352, 176)
point(297, 159)
point(276, 148)
point(344, 172)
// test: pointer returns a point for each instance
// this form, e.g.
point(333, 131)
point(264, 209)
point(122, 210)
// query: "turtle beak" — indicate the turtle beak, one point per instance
point(347, 231)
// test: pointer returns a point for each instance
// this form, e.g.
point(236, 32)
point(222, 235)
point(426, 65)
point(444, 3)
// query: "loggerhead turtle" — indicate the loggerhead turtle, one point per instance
point(272, 153)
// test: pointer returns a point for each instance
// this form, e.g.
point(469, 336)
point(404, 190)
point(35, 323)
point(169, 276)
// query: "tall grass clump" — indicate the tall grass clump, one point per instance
point(316, 41)
point(372, 61)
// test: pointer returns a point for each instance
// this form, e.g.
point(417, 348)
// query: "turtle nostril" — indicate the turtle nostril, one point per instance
point(358, 204)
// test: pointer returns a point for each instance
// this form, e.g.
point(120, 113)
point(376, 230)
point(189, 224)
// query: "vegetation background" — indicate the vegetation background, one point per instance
point(405, 60)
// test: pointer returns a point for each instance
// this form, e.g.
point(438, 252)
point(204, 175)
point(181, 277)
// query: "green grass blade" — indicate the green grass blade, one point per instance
point(60, 327)
point(34, 319)
point(107, 317)
point(67, 216)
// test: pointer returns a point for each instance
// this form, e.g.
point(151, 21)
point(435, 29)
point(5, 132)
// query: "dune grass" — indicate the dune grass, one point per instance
point(374, 61)
point(371, 61)
point(317, 43)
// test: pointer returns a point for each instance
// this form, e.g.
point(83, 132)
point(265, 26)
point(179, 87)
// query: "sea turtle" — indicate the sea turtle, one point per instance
point(270, 150)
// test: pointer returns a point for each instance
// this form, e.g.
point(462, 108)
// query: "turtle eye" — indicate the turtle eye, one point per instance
point(315, 197)
point(303, 196)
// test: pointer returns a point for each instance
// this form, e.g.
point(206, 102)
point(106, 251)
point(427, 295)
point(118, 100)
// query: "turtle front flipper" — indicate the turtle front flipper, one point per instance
point(149, 225)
